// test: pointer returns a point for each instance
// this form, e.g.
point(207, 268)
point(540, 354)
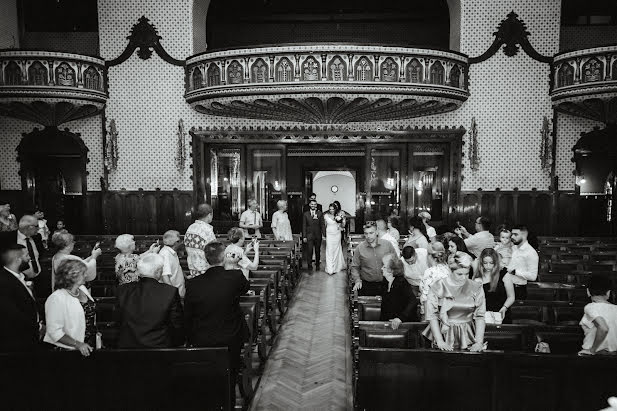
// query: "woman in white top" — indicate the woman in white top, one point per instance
point(417, 234)
point(281, 227)
point(430, 231)
point(438, 270)
point(65, 242)
point(393, 222)
point(66, 322)
point(235, 256)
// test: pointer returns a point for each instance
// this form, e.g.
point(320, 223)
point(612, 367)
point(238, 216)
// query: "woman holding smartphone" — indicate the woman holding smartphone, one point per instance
point(65, 242)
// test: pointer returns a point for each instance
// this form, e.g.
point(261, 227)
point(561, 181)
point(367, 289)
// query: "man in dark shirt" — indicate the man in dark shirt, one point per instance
point(367, 262)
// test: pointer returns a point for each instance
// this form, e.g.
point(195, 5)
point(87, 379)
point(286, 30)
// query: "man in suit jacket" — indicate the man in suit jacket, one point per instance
point(212, 308)
point(307, 207)
point(149, 312)
point(313, 229)
point(18, 308)
point(27, 235)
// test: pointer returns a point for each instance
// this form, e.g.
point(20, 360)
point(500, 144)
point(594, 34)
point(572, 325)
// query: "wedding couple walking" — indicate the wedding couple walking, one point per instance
point(315, 225)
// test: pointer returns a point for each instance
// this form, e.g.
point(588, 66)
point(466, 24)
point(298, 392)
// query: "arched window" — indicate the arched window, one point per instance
point(214, 75)
point(414, 72)
point(235, 74)
point(364, 70)
point(614, 70)
point(389, 70)
point(12, 74)
point(65, 75)
point(197, 78)
point(337, 69)
point(259, 71)
point(565, 75)
point(436, 73)
point(455, 76)
point(592, 70)
point(92, 79)
point(37, 74)
point(284, 70)
point(310, 69)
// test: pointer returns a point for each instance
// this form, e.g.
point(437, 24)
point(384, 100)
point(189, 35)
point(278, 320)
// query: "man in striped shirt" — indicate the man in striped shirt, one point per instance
point(197, 236)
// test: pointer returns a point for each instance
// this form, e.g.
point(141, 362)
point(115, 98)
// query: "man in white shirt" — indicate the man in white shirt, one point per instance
point(481, 239)
point(523, 266)
point(382, 233)
point(172, 271)
point(197, 236)
point(251, 221)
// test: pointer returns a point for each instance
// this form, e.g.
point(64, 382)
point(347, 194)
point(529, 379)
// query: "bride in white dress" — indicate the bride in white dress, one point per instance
point(335, 261)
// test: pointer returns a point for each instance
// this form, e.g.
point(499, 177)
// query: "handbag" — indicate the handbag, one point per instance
point(493, 317)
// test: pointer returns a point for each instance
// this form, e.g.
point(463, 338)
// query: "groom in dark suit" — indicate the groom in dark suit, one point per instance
point(313, 229)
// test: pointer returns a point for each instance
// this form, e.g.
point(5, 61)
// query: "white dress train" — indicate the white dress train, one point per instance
point(335, 261)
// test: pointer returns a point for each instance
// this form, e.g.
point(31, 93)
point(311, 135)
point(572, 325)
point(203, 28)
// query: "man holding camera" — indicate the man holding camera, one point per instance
point(250, 220)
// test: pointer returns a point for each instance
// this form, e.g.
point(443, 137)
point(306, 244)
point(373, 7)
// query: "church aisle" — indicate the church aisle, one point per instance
point(310, 367)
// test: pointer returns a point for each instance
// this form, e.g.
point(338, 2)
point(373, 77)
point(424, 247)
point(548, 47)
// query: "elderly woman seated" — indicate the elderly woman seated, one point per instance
point(126, 260)
point(455, 309)
point(398, 304)
point(70, 310)
point(65, 242)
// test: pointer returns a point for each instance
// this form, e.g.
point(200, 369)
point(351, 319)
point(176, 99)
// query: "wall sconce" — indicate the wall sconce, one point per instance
point(277, 185)
point(390, 183)
point(474, 157)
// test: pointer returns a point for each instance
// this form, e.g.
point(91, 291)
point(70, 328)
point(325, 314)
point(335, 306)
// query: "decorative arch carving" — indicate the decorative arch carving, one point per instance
point(235, 73)
point(284, 70)
point(259, 71)
point(414, 72)
point(92, 79)
point(197, 78)
point(455, 76)
point(437, 73)
point(337, 69)
point(593, 70)
point(37, 74)
point(311, 69)
point(214, 75)
point(565, 75)
point(65, 75)
point(363, 69)
point(388, 70)
point(12, 74)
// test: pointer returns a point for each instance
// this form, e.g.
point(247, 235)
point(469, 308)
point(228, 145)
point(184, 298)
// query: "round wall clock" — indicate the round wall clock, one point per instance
point(334, 189)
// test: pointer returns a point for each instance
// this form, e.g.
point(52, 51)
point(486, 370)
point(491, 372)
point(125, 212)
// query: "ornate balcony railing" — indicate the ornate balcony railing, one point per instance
point(51, 88)
point(585, 83)
point(324, 83)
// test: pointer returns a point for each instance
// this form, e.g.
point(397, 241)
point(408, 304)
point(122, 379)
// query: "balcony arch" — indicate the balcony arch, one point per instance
point(65, 75)
point(414, 71)
point(214, 75)
point(284, 70)
point(259, 71)
point(565, 75)
point(364, 69)
point(389, 70)
point(337, 69)
point(37, 74)
point(197, 78)
point(12, 74)
point(593, 70)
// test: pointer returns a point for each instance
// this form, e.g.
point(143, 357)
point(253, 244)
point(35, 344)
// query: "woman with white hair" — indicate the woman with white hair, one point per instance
point(455, 310)
point(65, 242)
point(126, 261)
point(8, 222)
point(281, 227)
point(430, 231)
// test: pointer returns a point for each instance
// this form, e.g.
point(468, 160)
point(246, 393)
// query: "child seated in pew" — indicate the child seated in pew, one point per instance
point(126, 260)
point(599, 322)
point(235, 256)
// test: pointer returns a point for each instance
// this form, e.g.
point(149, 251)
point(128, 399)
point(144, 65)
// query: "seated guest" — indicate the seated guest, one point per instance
point(430, 231)
point(172, 271)
point(126, 261)
point(454, 245)
point(235, 256)
point(399, 304)
point(18, 308)
point(455, 310)
point(504, 247)
point(482, 239)
point(498, 291)
point(382, 233)
point(599, 322)
point(367, 262)
point(281, 227)
point(8, 222)
point(523, 265)
point(212, 308)
point(64, 243)
point(415, 263)
point(148, 311)
point(393, 224)
point(437, 270)
point(418, 238)
point(70, 310)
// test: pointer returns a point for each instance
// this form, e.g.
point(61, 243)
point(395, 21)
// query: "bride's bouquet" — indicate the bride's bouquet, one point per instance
point(338, 218)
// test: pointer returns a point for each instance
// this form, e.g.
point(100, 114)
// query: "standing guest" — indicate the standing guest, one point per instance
point(18, 309)
point(393, 222)
point(418, 238)
point(281, 227)
point(399, 304)
point(148, 311)
point(236, 257)
point(70, 310)
point(251, 221)
point(64, 243)
point(599, 322)
point(382, 233)
point(430, 231)
point(437, 270)
point(313, 229)
point(172, 271)
point(454, 245)
point(455, 310)
point(504, 247)
point(43, 229)
point(523, 265)
point(212, 309)
point(415, 264)
point(481, 239)
point(8, 222)
point(197, 236)
point(126, 261)
point(367, 262)
point(498, 291)
point(306, 207)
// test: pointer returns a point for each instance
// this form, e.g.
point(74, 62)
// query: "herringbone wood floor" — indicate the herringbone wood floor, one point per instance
point(310, 367)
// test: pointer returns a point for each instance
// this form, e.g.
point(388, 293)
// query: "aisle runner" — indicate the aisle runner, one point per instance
point(310, 367)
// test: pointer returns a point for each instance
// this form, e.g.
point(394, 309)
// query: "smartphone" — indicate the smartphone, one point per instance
point(97, 245)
